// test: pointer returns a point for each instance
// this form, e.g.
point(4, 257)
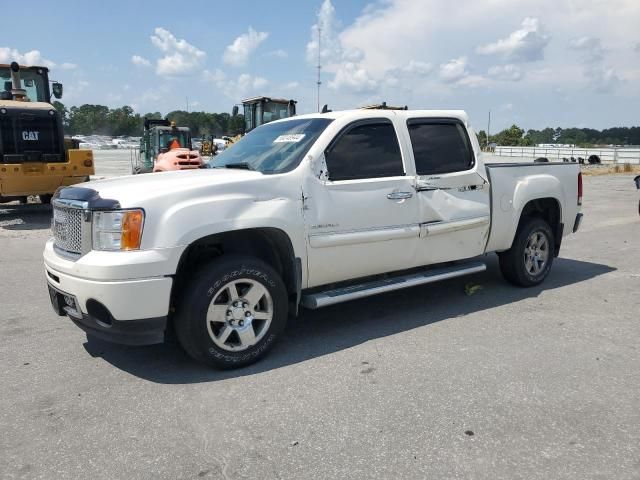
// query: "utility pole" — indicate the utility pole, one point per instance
point(488, 128)
point(318, 83)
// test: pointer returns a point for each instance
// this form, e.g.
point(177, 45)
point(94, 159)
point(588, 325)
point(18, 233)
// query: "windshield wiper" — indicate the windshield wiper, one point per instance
point(242, 165)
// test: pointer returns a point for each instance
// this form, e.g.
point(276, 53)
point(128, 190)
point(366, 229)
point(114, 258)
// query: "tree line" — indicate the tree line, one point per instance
point(581, 137)
point(101, 120)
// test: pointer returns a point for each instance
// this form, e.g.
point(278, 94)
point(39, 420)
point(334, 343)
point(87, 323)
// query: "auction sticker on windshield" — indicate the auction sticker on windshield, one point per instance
point(292, 138)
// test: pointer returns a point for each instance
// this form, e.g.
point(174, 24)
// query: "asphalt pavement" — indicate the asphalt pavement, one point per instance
point(508, 383)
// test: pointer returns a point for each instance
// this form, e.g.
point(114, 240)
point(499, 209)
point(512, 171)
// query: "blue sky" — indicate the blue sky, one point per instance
point(536, 63)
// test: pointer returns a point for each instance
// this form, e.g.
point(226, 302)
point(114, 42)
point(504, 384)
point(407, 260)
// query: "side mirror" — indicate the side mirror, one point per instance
point(234, 111)
point(57, 90)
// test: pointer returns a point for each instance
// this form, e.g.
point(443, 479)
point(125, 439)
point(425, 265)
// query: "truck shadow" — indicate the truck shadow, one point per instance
point(325, 331)
point(32, 216)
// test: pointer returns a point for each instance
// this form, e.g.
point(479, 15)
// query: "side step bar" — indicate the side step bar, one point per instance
point(352, 292)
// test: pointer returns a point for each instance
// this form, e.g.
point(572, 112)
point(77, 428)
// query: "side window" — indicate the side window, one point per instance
point(370, 150)
point(439, 147)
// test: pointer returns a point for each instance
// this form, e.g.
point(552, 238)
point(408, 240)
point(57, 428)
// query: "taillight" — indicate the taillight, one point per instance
point(580, 188)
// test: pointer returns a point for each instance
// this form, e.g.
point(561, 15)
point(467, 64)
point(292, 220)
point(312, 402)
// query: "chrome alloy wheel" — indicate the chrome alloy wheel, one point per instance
point(239, 315)
point(536, 253)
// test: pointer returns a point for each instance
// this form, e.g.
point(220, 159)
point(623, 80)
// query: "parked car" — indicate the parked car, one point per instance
point(308, 211)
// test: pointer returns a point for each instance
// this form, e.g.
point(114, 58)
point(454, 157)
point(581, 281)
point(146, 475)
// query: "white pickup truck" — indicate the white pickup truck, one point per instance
point(312, 210)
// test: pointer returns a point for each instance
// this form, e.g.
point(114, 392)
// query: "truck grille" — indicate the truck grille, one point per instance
point(67, 228)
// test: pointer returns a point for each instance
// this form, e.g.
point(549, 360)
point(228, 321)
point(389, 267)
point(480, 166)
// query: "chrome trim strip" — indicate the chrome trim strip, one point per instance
point(436, 228)
point(63, 202)
point(369, 235)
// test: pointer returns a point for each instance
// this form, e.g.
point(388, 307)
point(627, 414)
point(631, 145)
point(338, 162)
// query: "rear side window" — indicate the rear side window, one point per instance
point(440, 146)
point(368, 150)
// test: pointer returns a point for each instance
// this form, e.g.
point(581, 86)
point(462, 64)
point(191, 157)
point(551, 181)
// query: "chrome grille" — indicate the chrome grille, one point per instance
point(67, 228)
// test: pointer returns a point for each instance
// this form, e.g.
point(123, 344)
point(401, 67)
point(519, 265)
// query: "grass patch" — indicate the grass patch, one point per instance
point(610, 169)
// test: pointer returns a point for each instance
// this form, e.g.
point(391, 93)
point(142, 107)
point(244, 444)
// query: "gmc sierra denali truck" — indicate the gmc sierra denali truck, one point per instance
point(307, 211)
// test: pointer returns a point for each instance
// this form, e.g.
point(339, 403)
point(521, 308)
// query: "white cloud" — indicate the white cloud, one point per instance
point(418, 67)
point(474, 81)
point(180, 57)
point(278, 54)
point(330, 47)
point(235, 88)
point(508, 72)
point(526, 44)
point(291, 85)
point(353, 78)
point(589, 47)
point(237, 54)
point(454, 69)
point(32, 57)
point(600, 77)
point(140, 61)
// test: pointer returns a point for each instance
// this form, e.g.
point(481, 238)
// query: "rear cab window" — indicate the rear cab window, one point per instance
point(365, 149)
point(440, 145)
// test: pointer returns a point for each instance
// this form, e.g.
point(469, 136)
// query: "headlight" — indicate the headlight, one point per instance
point(117, 230)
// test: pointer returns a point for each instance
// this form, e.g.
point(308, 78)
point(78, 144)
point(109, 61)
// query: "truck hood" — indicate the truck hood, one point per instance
point(138, 190)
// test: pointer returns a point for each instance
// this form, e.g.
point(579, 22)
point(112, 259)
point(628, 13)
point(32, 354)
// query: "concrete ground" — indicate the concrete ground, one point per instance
point(508, 383)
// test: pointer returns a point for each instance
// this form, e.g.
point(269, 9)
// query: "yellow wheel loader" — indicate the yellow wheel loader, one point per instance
point(35, 158)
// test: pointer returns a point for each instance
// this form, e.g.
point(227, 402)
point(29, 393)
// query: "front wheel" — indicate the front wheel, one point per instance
point(528, 261)
point(232, 313)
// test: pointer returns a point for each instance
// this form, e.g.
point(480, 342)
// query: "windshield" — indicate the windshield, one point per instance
point(30, 80)
point(274, 147)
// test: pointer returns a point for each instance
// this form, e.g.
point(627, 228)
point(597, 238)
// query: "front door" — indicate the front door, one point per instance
point(361, 216)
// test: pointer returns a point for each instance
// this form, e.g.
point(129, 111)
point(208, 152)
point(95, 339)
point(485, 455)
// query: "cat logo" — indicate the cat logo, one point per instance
point(30, 136)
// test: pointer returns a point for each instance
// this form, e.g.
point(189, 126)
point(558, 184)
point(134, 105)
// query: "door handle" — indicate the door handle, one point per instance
point(399, 195)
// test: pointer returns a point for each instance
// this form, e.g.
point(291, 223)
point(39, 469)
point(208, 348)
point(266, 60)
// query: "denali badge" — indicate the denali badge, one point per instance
point(30, 136)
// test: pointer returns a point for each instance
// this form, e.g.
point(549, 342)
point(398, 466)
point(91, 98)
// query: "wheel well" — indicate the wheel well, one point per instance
point(270, 245)
point(547, 209)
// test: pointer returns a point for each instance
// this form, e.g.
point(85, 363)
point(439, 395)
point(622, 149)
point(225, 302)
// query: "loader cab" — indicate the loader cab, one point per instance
point(30, 127)
point(33, 80)
point(261, 110)
point(160, 136)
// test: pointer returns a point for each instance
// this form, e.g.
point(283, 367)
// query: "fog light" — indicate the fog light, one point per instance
point(70, 301)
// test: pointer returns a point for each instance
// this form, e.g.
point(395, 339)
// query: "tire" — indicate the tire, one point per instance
point(45, 199)
point(211, 325)
point(517, 265)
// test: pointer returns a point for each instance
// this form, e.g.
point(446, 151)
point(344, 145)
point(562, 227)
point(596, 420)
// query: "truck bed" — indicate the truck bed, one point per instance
point(557, 180)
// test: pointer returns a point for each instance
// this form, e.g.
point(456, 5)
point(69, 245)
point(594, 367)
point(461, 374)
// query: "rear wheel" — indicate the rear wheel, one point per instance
point(528, 261)
point(232, 313)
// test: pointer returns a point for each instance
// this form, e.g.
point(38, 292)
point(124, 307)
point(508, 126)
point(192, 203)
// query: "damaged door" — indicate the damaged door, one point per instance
point(453, 196)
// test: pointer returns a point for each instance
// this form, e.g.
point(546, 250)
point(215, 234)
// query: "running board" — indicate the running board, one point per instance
point(361, 290)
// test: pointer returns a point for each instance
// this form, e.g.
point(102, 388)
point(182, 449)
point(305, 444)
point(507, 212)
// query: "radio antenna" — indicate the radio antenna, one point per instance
point(318, 83)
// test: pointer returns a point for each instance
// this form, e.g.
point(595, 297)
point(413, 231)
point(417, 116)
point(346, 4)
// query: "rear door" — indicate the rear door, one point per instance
point(453, 195)
point(361, 216)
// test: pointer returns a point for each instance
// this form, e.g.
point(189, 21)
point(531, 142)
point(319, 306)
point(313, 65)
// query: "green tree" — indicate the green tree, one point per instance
point(63, 112)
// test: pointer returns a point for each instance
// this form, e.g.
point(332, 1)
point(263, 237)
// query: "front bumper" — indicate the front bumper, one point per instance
point(130, 311)
point(102, 325)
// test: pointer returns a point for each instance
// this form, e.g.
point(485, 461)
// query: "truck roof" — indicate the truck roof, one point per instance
point(386, 113)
